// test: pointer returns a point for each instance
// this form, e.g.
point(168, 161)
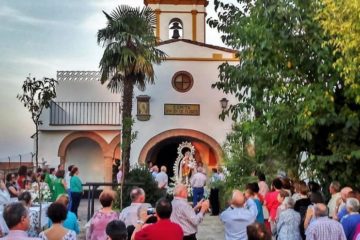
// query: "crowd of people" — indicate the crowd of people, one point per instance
point(43, 185)
point(292, 211)
point(287, 210)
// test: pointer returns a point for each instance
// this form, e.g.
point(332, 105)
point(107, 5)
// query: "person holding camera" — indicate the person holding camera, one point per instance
point(162, 229)
point(186, 216)
point(129, 215)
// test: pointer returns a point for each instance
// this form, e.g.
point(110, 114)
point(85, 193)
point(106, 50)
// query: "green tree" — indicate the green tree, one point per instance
point(143, 178)
point(287, 80)
point(37, 95)
point(130, 51)
point(341, 20)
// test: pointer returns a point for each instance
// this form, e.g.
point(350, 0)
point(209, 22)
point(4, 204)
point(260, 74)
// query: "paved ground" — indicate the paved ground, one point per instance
point(210, 229)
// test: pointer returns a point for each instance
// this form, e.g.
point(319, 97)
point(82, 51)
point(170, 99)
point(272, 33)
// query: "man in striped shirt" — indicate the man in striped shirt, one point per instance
point(184, 215)
point(324, 228)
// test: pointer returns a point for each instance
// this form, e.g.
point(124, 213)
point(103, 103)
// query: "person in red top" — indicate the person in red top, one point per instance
point(22, 176)
point(272, 203)
point(163, 229)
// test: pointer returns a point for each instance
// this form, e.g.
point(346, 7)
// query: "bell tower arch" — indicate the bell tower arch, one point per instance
point(179, 19)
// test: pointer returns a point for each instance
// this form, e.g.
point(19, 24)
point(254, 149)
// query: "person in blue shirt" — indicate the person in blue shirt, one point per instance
point(251, 190)
point(352, 219)
point(238, 216)
point(70, 222)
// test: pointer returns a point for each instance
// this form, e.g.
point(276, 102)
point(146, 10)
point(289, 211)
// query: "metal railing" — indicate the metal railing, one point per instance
point(85, 113)
point(12, 163)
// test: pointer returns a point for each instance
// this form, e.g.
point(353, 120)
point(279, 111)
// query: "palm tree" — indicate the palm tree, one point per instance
point(130, 51)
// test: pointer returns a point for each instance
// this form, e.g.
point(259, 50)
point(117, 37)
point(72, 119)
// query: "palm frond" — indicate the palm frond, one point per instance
point(116, 83)
point(130, 47)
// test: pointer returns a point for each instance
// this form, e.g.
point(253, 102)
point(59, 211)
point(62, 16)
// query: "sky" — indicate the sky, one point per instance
point(40, 37)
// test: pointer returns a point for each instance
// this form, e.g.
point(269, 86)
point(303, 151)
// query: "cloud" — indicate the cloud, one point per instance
point(33, 62)
point(97, 20)
point(15, 15)
point(94, 22)
point(111, 4)
point(47, 66)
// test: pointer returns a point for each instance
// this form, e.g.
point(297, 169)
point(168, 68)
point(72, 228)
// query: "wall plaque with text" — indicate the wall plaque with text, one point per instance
point(182, 109)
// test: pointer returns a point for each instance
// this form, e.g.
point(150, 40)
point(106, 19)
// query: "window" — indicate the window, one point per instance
point(182, 81)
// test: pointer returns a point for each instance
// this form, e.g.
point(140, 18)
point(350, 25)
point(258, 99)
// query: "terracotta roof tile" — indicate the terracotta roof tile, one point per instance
point(199, 44)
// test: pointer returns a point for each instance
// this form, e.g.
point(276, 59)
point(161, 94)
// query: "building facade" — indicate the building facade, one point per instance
point(82, 126)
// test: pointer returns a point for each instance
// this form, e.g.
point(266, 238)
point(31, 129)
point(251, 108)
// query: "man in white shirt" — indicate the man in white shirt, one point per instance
point(184, 215)
point(334, 190)
point(340, 203)
point(162, 178)
point(197, 182)
point(129, 215)
point(162, 181)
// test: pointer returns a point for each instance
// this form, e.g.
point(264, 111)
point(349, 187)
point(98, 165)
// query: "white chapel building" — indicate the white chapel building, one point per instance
point(82, 126)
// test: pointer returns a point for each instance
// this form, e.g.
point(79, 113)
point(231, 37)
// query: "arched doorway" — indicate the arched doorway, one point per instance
point(162, 149)
point(87, 155)
point(165, 153)
point(76, 147)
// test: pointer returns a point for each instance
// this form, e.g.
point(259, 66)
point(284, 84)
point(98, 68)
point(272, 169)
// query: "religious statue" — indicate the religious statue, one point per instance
point(185, 163)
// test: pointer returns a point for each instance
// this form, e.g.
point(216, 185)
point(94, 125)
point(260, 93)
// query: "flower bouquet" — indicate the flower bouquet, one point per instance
point(41, 192)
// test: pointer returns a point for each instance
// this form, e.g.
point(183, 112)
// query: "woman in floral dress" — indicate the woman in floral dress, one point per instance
point(289, 221)
point(103, 216)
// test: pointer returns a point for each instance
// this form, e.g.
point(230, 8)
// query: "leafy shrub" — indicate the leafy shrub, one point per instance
point(139, 177)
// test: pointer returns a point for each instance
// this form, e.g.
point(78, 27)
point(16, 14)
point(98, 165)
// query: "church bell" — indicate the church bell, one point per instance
point(176, 29)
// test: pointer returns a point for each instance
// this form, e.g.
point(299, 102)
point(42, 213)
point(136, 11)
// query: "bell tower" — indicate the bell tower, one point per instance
point(179, 19)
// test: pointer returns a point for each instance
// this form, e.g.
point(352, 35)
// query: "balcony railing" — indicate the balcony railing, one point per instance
point(85, 113)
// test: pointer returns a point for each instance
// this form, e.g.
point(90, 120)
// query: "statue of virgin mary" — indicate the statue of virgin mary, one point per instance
point(184, 164)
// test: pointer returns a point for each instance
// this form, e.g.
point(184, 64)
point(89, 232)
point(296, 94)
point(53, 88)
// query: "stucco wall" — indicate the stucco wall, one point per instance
point(204, 74)
point(181, 49)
